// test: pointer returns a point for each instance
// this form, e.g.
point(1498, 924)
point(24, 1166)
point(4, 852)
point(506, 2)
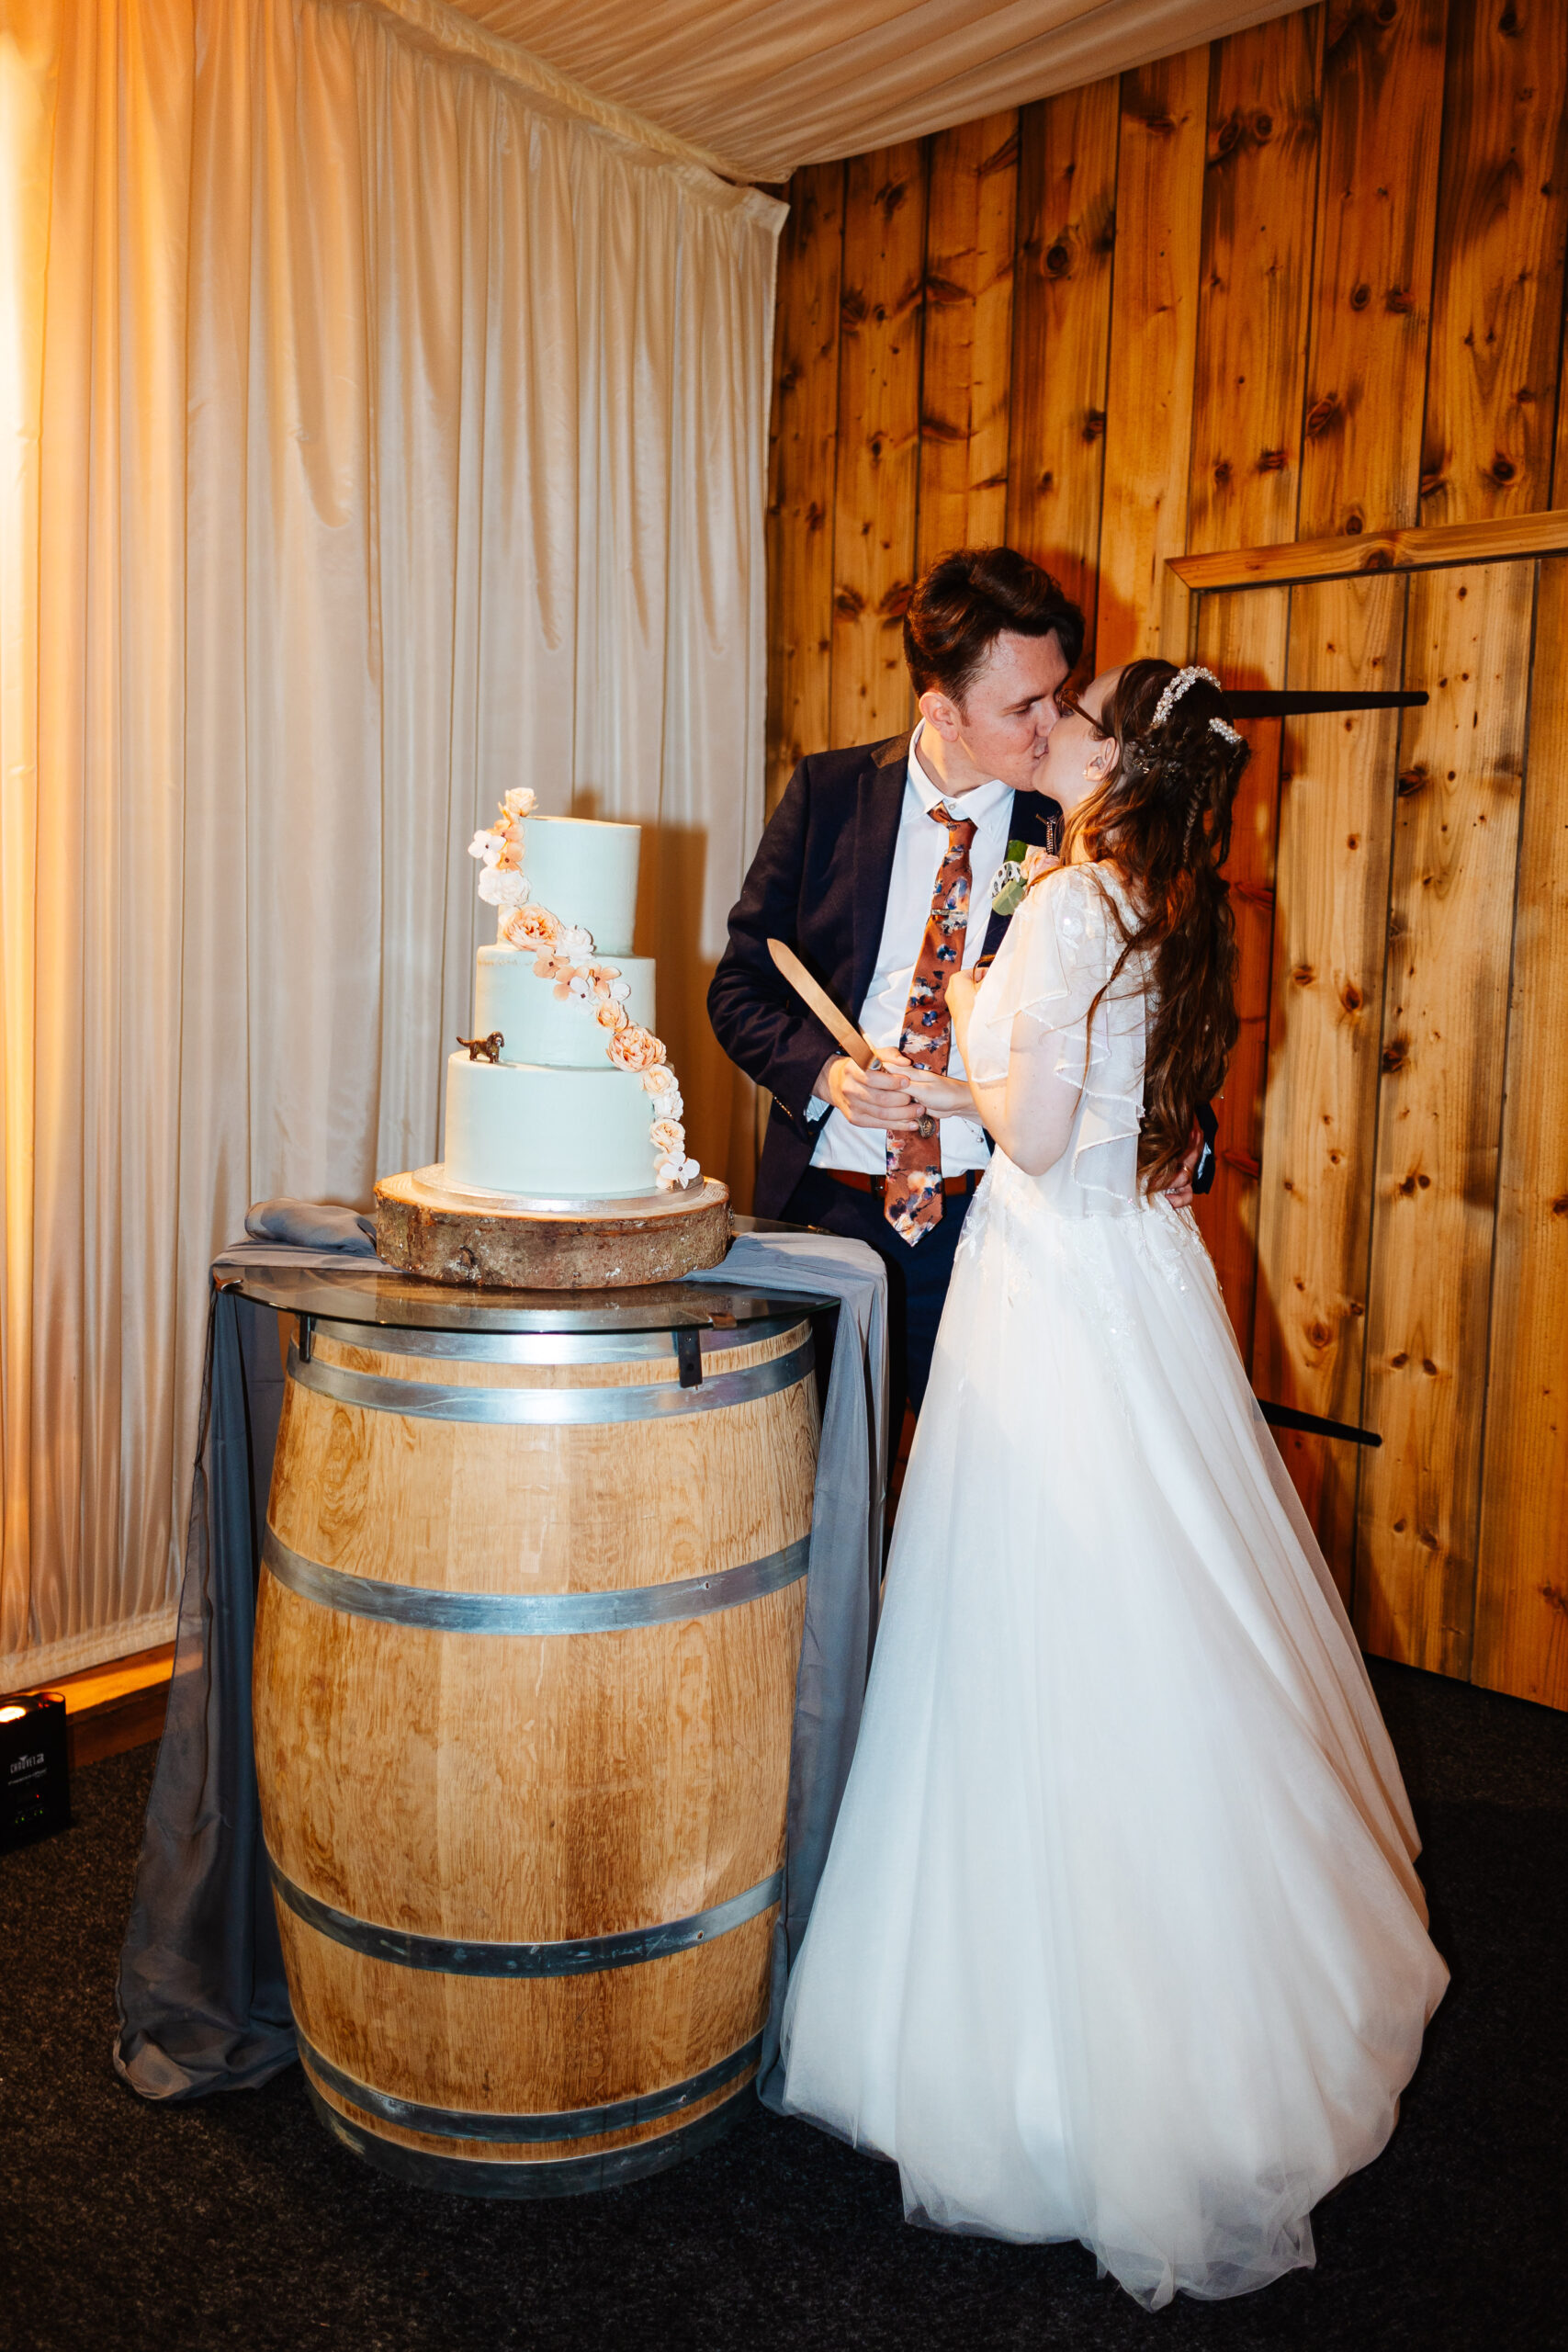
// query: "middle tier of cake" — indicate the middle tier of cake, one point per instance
point(541, 1027)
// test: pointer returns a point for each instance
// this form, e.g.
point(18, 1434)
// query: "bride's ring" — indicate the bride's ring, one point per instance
point(927, 1128)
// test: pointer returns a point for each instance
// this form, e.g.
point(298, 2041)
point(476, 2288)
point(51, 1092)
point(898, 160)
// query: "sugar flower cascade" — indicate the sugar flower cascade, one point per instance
point(563, 955)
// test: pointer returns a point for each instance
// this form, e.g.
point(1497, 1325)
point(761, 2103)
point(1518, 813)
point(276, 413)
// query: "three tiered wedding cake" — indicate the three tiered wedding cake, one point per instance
point(564, 1093)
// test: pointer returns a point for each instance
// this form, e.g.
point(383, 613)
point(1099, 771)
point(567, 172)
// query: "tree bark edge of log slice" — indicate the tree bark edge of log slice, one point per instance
point(424, 1230)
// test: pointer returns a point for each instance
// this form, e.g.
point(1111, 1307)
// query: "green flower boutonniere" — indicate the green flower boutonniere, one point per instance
point(1010, 884)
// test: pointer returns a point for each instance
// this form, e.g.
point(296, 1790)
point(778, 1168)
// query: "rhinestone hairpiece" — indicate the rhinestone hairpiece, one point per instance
point(1221, 728)
point(1176, 689)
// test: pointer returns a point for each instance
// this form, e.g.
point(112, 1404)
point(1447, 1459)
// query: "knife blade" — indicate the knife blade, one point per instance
point(839, 1026)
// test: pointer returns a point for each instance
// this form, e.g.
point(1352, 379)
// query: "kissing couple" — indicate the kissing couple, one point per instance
point(1120, 1938)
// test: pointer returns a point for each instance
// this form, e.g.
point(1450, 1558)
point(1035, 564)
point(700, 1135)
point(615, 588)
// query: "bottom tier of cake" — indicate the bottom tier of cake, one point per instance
point(547, 1134)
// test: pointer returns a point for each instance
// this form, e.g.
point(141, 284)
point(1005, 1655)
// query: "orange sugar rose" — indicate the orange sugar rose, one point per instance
point(633, 1048)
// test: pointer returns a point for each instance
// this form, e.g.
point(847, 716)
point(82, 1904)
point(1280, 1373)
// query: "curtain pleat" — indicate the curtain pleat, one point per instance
point(373, 443)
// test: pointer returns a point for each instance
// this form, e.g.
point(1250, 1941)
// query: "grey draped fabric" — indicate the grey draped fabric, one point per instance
point(845, 1576)
point(201, 1996)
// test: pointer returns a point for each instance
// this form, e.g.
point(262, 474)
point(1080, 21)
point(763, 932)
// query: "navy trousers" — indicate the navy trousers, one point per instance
point(918, 1275)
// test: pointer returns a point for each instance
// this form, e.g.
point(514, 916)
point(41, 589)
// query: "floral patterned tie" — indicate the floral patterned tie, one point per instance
point(912, 1200)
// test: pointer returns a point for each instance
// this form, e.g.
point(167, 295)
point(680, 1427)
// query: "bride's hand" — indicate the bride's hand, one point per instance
point(943, 1097)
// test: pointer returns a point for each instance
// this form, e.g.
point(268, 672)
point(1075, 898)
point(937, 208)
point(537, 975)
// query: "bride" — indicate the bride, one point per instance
point(1120, 1938)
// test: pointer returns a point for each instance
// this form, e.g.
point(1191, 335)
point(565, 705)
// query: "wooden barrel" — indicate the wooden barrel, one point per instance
point(524, 1680)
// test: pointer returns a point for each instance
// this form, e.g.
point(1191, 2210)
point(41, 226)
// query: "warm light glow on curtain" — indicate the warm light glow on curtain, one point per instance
point(368, 442)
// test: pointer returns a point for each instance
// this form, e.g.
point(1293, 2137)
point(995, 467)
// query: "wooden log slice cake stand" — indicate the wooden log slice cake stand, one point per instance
point(426, 1226)
point(528, 1626)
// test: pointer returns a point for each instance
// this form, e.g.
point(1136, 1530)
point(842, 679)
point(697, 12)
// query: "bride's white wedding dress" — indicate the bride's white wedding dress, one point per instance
point(1120, 1938)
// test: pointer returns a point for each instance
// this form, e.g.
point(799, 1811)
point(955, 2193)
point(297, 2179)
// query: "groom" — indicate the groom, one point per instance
point(878, 867)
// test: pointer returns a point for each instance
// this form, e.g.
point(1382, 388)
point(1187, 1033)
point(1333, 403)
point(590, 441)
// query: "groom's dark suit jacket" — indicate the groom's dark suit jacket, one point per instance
point(819, 882)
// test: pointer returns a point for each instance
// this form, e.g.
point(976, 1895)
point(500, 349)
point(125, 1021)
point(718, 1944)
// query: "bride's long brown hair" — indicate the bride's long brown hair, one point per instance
point(1163, 817)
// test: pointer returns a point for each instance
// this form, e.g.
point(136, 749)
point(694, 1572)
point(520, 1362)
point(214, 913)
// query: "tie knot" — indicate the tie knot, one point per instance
point(955, 825)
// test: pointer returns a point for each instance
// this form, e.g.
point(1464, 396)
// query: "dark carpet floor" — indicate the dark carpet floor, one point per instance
point(235, 2222)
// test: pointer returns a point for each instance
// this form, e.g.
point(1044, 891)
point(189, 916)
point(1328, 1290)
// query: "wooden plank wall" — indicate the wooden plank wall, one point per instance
point(1304, 281)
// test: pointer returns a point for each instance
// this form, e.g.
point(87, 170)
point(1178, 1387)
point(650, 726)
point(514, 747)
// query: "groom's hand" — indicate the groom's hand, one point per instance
point(1179, 1192)
point(868, 1098)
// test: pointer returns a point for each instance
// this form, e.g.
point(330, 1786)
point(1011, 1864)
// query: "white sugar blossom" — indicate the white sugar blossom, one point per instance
point(620, 990)
point(503, 885)
point(582, 987)
point(487, 845)
point(667, 1105)
point(673, 1173)
point(575, 940)
point(519, 801)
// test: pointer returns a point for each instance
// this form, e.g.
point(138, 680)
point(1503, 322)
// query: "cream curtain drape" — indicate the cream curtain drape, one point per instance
point(373, 439)
point(766, 85)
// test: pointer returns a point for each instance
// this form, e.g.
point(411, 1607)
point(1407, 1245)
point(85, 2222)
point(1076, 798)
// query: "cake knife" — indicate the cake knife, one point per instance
point(855, 1043)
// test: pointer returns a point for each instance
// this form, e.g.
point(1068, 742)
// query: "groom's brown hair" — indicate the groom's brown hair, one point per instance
point(965, 603)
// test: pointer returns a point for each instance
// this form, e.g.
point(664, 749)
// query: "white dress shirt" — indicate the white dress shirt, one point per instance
point(916, 860)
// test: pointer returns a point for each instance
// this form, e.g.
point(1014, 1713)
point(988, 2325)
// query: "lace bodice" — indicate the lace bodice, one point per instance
point(1061, 949)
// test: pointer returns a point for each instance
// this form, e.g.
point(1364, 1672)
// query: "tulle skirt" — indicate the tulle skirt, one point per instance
point(1120, 1938)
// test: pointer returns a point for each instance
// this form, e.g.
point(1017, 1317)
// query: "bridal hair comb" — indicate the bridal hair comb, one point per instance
point(1175, 690)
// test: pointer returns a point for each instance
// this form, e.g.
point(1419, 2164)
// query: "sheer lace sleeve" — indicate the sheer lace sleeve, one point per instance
point(1060, 950)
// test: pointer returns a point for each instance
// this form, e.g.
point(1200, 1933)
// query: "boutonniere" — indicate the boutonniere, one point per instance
point(1026, 864)
point(1008, 889)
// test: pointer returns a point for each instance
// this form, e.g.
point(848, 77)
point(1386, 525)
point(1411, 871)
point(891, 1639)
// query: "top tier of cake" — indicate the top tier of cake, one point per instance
point(585, 872)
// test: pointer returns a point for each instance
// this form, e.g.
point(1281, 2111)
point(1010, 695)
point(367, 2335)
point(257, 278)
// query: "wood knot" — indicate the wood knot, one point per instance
point(1395, 1054)
point(1058, 259)
point(1502, 469)
point(1320, 1334)
point(1094, 424)
point(1360, 296)
point(1400, 300)
point(1263, 129)
point(1227, 135)
point(1222, 472)
point(1273, 461)
point(484, 1049)
point(1321, 415)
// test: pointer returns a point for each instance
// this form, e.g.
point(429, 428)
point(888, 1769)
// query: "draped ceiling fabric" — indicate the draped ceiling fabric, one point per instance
point(765, 85)
point(377, 430)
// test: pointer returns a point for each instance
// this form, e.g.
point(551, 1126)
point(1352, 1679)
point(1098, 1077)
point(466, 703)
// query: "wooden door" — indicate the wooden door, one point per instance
point(1390, 1218)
